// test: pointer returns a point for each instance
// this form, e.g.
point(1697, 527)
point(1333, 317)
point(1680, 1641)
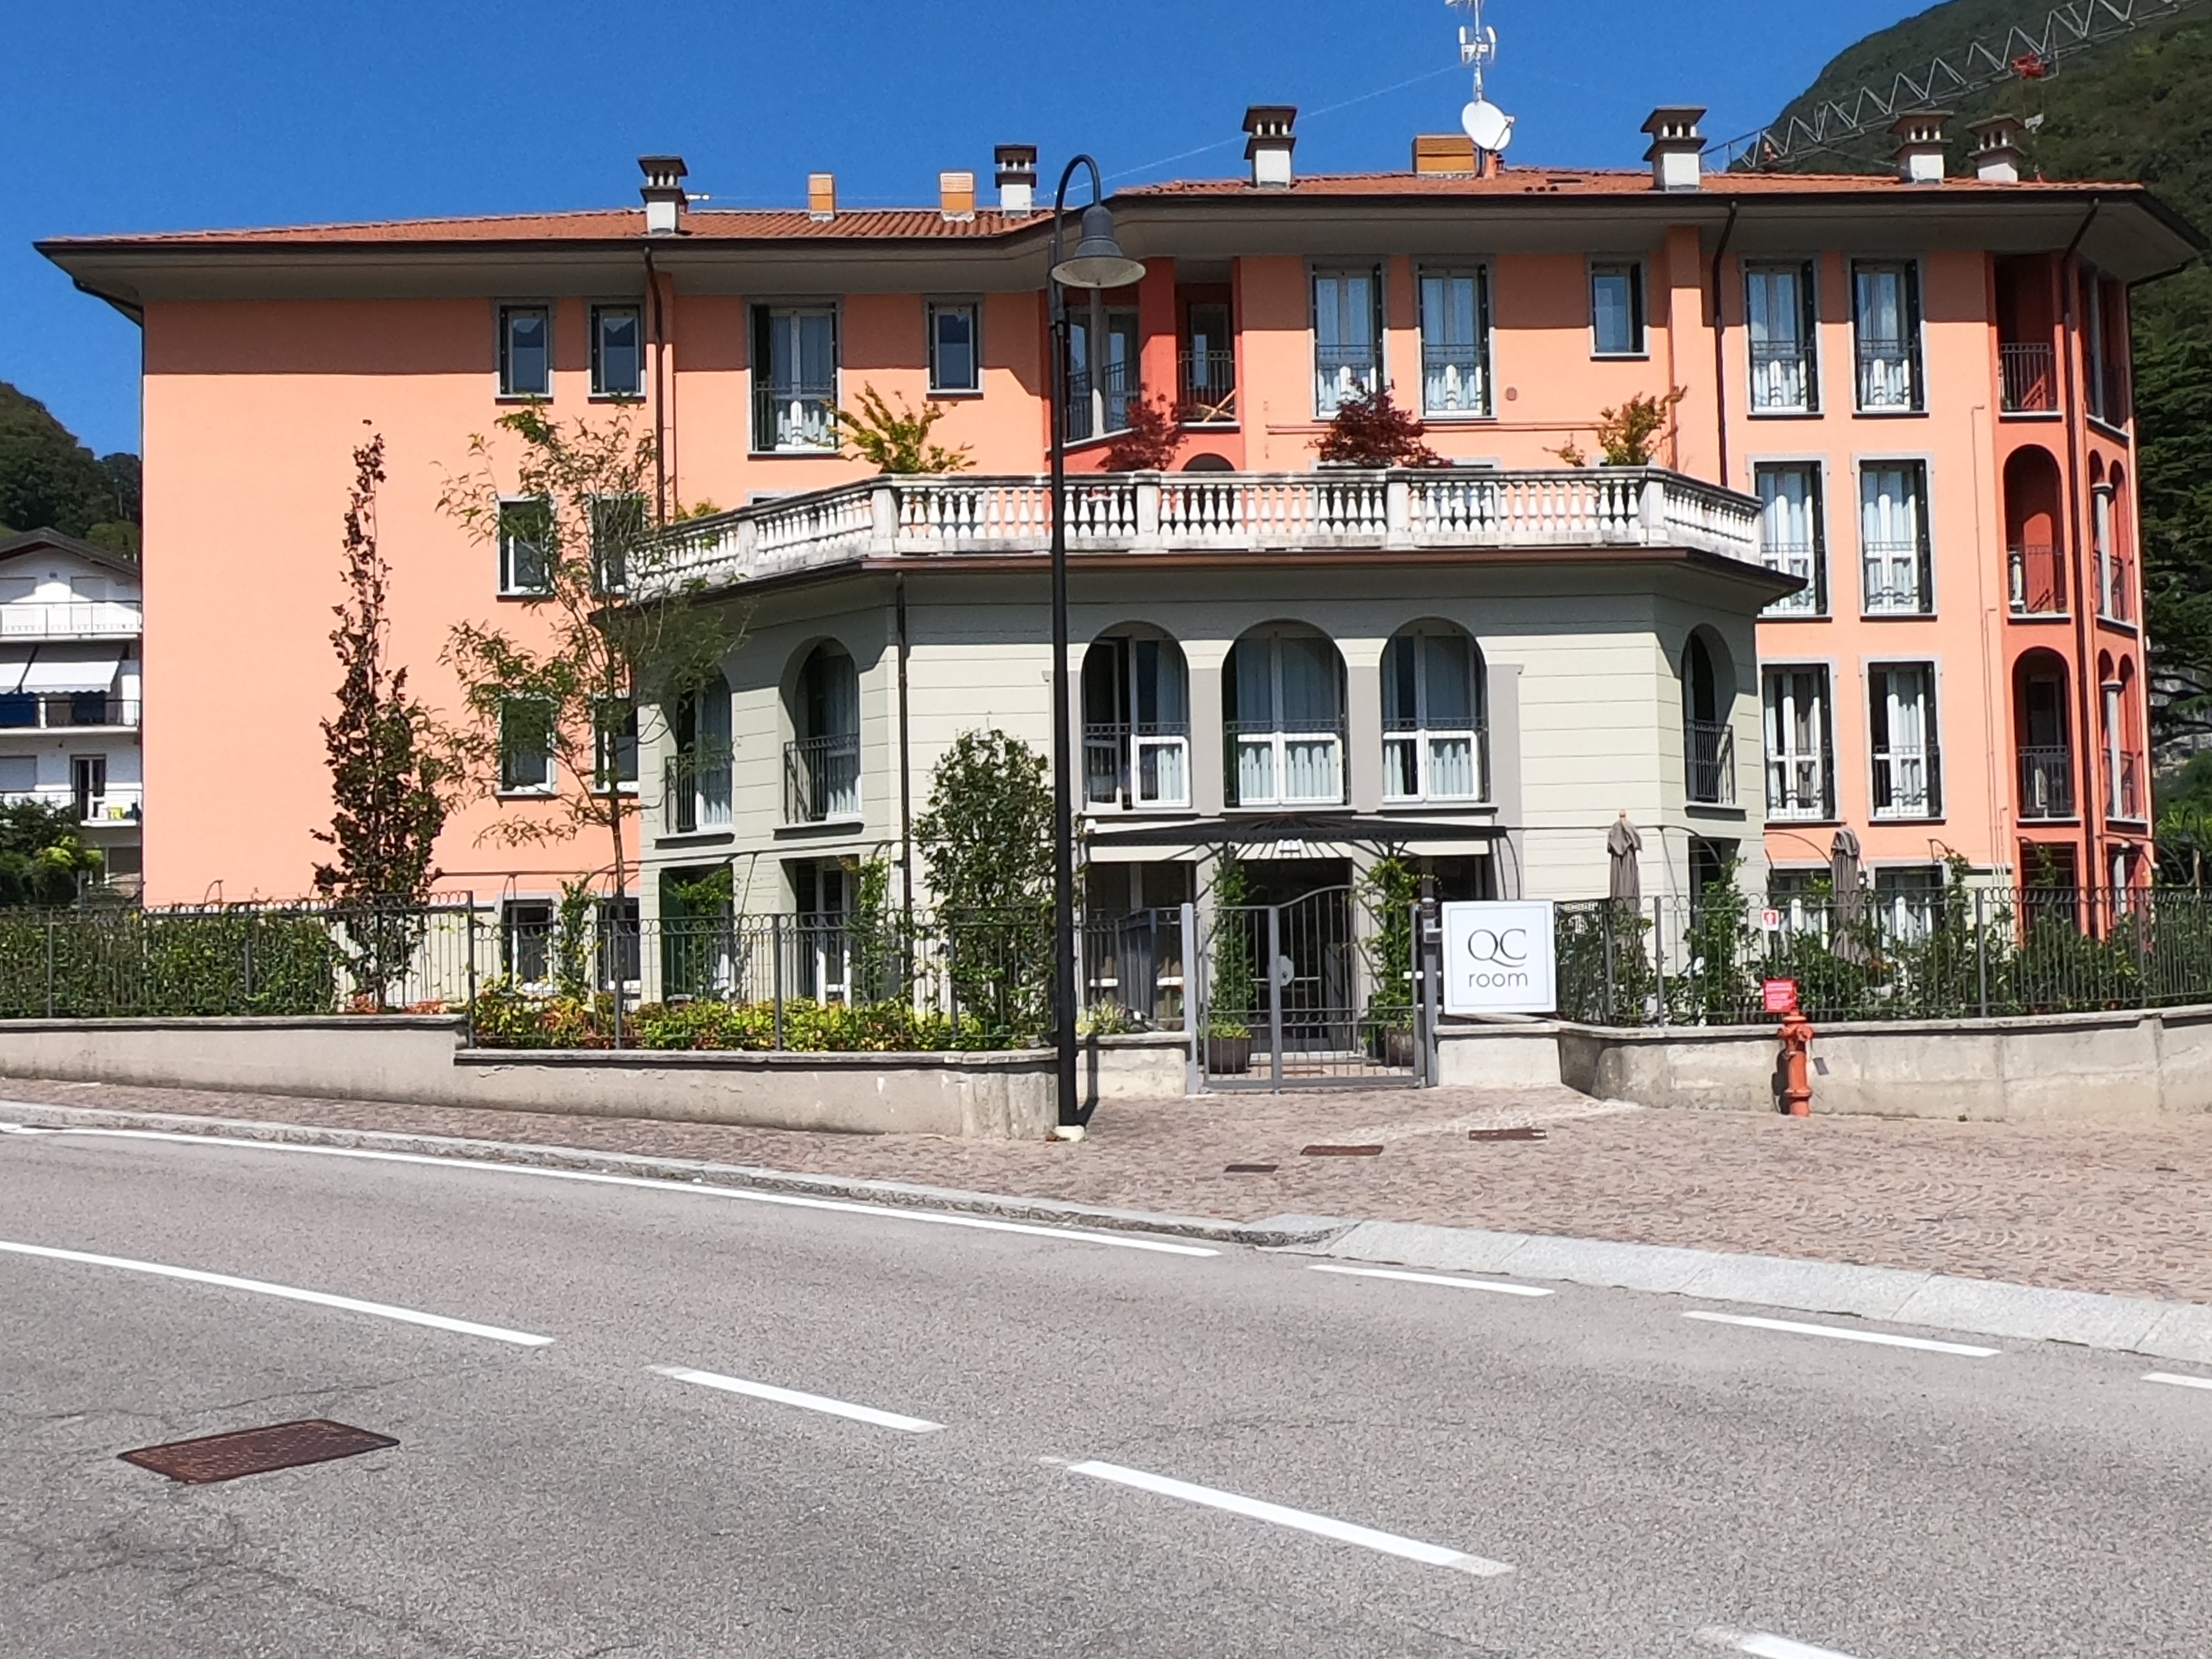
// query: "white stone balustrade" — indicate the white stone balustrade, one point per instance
point(1231, 512)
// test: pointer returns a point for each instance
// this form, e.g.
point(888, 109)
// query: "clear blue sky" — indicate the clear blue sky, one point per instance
point(133, 115)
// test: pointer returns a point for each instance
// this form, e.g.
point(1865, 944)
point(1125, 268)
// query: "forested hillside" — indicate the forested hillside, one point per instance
point(2137, 106)
point(49, 481)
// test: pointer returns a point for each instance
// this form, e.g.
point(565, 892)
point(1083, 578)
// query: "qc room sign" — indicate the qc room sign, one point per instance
point(1498, 958)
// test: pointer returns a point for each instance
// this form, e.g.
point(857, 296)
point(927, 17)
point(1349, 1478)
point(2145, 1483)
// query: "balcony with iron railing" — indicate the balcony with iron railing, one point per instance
point(2046, 782)
point(696, 796)
point(1255, 514)
point(1342, 373)
point(1454, 381)
point(1428, 766)
point(1272, 763)
point(2116, 582)
point(1908, 782)
point(1782, 377)
point(1801, 788)
point(2123, 787)
point(111, 806)
point(799, 416)
point(1708, 762)
point(1896, 579)
point(1136, 767)
point(1095, 412)
point(1802, 561)
point(2036, 573)
point(2027, 378)
point(73, 711)
point(1888, 376)
point(821, 779)
point(1205, 384)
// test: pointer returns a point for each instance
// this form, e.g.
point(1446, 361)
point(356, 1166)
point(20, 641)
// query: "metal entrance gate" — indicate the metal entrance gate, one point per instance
point(1317, 991)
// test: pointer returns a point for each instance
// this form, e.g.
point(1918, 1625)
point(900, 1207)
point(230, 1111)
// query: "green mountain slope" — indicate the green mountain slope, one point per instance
point(2136, 105)
point(49, 481)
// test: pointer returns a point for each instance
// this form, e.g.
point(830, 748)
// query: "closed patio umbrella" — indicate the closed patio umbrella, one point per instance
point(1622, 844)
point(1849, 884)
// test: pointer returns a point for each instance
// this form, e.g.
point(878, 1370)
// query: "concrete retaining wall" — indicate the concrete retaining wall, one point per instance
point(420, 1059)
point(2100, 1067)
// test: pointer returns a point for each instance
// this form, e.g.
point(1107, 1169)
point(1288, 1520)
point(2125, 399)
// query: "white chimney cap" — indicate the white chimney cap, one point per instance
point(1996, 153)
point(1921, 139)
point(1016, 167)
point(1268, 149)
point(663, 191)
point(1677, 151)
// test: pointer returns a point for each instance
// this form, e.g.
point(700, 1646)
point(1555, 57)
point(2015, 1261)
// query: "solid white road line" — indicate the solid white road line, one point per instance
point(1763, 1646)
point(2179, 1381)
point(289, 1292)
point(1432, 1278)
point(1883, 1339)
point(811, 1402)
point(792, 1201)
point(1344, 1532)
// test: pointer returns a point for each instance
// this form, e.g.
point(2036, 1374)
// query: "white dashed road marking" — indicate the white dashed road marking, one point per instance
point(1763, 1646)
point(2177, 1380)
point(1432, 1278)
point(1841, 1333)
point(810, 1402)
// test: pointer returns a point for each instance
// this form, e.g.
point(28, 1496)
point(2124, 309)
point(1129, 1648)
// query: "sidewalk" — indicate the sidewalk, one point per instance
point(2125, 1212)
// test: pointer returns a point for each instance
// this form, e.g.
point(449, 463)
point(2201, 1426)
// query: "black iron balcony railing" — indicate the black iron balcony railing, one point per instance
point(1801, 786)
point(1208, 385)
point(2046, 782)
point(795, 415)
point(1284, 762)
point(1782, 377)
point(1908, 782)
point(1889, 374)
point(696, 794)
point(1454, 380)
point(2036, 572)
point(1802, 561)
point(821, 779)
point(1342, 373)
point(1136, 767)
point(1095, 408)
point(1896, 575)
point(1422, 764)
point(2027, 377)
point(1708, 762)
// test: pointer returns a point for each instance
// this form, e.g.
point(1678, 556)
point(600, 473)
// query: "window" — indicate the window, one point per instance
point(1708, 734)
point(1901, 720)
point(822, 764)
point(526, 546)
point(1455, 342)
point(526, 747)
point(1284, 697)
point(1886, 316)
point(614, 747)
point(1100, 404)
point(822, 895)
point(88, 785)
point(696, 785)
point(526, 939)
point(19, 774)
point(1799, 754)
point(956, 349)
point(618, 352)
point(1778, 315)
point(1617, 309)
point(2104, 343)
point(617, 957)
point(1893, 541)
point(1347, 323)
point(794, 379)
point(1209, 367)
point(1791, 539)
point(1907, 899)
point(1136, 725)
point(618, 524)
point(1433, 742)
point(525, 351)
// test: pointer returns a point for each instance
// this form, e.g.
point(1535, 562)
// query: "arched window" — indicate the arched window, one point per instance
point(2124, 742)
point(1435, 747)
point(2040, 730)
point(697, 794)
point(1136, 723)
point(1708, 734)
point(1282, 693)
point(2034, 550)
point(821, 761)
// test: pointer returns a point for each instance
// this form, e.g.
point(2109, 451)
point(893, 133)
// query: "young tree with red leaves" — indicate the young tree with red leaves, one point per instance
point(1372, 431)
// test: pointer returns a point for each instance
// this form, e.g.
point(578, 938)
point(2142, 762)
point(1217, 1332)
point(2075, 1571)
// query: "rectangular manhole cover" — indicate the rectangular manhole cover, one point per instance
point(1251, 1169)
point(1522, 1133)
point(1341, 1151)
point(257, 1451)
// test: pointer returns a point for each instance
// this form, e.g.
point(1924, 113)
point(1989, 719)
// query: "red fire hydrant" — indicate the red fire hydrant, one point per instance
point(1796, 1064)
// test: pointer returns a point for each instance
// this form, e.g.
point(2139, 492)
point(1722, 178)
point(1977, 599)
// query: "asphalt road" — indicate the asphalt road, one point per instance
point(888, 1434)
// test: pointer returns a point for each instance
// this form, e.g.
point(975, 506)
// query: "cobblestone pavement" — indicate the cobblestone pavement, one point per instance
point(2122, 1210)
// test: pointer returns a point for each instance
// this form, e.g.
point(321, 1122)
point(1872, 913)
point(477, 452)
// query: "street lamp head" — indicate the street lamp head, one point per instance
point(1097, 261)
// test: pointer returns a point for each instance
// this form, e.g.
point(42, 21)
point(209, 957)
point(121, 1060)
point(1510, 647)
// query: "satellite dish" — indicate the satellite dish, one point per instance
point(1491, 127)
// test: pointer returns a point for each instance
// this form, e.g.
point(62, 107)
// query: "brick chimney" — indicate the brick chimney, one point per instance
point(663, 191)
point(1016, 167)
point(1996, 153)
point(1920, 141)
point(1268, 149)
point(1677, 151)
point(822, 196)
point(956, 195)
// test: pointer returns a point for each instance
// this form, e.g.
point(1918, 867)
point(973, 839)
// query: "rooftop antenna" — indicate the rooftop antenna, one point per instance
point(1491, 127)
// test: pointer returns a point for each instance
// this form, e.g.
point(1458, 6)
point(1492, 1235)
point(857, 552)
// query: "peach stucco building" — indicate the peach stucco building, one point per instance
point(1919, 383)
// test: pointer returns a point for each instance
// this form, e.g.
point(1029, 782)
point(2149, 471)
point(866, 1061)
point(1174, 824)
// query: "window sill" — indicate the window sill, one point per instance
point(2117, 431)
point(956, 393)
point(1795, 616)
point(807, 454)
point(1711, 809)
point(2119, 625)
point(1891, 414)
point(545, 792)
point(2031, 413)
point(1459, 417)
point(696, 838)
point(1470, 804)
point(1275, 809)
point(1897, 616)
point(1149, 814)
point(596, 397)
point(1783, 413)
point(520, 595)
point(2052, 822)
point(2038, 616)
point(1899, 817)
point(1823, 820)
point(839, 826)
point(522, 396)
point(1644, 356)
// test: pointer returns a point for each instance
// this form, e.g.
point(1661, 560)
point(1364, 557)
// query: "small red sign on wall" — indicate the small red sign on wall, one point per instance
point(1781, 995)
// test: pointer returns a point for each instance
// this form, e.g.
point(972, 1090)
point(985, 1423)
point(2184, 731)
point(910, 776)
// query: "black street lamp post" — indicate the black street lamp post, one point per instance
point(1097, 263)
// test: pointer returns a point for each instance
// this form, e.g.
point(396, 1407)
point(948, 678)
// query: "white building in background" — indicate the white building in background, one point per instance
point(70, 621)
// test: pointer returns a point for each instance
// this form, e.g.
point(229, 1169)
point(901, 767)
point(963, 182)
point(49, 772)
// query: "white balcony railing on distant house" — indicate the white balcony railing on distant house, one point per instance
point(1258, 513)
point(80, 620)
point(67, 711)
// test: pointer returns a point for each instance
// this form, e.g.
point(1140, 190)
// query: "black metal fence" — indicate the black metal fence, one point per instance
point(590, 973)
point(1952, 952)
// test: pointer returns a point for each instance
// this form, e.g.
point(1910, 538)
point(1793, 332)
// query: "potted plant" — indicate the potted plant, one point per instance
point(1371, 431)
point(1390, 889)
point(1631, 435)
point(1236, 977)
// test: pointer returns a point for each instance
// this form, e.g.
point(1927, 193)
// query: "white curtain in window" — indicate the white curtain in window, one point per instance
point(1451, 345)
point(1344, 337)
point(1889, 537)
point(1796, 741)
point(1774, 313)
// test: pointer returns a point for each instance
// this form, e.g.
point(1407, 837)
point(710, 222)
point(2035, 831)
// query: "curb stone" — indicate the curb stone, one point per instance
point(2166, 1330)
